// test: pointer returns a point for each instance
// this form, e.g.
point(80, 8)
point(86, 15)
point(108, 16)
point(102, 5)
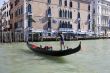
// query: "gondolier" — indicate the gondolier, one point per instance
point(61, 40)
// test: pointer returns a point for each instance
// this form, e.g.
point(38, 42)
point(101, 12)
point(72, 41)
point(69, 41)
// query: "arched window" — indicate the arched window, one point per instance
point(89, 7)
point(71, 4)
point(60, 13)
point(65, 13)
point(60, 24)
point(78, 25)
point(89, 21)
point(65, 2)
point(30, 21)
point(78, 20)
point(70, 25)
point(78, 14)
point(49, 12)
point(60, 2)
point(78, 5)
point(49, 23)
point(63, 24)
point(89, 17)
point(71, 14)
point(49, 1)
point(68, 14)
point(30, 8)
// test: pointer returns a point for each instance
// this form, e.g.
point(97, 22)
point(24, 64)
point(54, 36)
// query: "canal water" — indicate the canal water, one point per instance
point(94, 57)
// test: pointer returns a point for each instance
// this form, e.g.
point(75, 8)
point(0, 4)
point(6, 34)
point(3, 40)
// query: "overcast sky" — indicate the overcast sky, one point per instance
point(1, 2)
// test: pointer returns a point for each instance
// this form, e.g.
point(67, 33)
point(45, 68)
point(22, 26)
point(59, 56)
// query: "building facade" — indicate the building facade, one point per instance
point(0, 20)
point(48, 17)
point(60, 15)
point(17, 15)
point(5, 10)
point(102, 16)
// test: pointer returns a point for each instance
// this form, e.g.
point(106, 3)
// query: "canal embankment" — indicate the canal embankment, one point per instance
point(10, 37)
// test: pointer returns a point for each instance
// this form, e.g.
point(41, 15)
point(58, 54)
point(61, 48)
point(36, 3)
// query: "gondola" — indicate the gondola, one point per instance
point(50, 52)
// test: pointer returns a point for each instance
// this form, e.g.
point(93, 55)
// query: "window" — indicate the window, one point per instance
point(30, 21)
point(49, 23)
point(78, 14)
point(7, 5)
point(65, 25)
point(16, 2)
point(49, 12)
point(68, 14)
point(70, 4)
point(78, 25)
point(65, 2)
point(60, 2)
point(89, 17)
point(60, 13)
point(16, 13)
point(49, 1)
point(65, 13)
point(60, 24)
point(19, 12)
point(7, 13)
point(30, 8)
point(21, 9)
point(11, 6)
point(89, 7)
point(93, 11)
point(11, 16)
point(71, 14)
point(78, 20)
point(16, 25)
point(69, 25)
point(89, 22)
point(78, 5)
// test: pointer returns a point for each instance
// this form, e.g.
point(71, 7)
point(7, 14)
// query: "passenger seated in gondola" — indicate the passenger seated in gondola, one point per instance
point(34, 46)
point(48, 47)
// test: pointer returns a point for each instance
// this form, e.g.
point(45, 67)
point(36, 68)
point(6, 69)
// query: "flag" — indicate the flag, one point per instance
point(109, 24)
point(44, 19)
point(54, 21)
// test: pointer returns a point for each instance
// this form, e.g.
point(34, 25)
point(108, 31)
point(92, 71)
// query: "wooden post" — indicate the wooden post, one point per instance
point(14, 36)
point(2, 37)
point(32, 37)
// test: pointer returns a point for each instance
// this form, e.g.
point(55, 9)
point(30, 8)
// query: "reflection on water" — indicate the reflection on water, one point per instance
point(94, 57)
point(55, 59)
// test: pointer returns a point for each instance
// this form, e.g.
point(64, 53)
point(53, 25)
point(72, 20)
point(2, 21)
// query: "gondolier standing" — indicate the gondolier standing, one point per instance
point(61, 40)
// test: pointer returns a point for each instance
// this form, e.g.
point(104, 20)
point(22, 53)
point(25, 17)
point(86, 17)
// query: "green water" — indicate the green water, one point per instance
point(93, 58)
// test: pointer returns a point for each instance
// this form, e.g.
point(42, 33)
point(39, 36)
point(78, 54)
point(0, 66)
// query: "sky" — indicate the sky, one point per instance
point(1, 2)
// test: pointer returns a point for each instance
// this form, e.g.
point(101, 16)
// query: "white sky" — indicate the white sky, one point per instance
point(1, 2)
point(107, 0)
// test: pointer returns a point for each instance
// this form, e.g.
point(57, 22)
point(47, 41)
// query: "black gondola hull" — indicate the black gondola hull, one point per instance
point(54, 52)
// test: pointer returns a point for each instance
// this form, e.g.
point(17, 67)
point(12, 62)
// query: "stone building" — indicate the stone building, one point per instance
point(5, 11)
point(48, 17)
point(101, 16)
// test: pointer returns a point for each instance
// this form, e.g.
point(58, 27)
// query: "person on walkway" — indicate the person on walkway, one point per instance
point(61, 40)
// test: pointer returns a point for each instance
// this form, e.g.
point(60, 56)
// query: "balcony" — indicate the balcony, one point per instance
point(65, 29)
point(29, 13)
